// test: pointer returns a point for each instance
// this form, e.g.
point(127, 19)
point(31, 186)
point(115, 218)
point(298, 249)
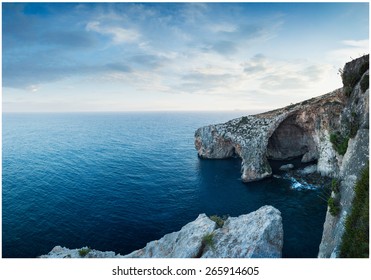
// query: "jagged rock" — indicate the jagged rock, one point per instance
point(354, 116)
point(256, 235)
point(287, 167)
point(185, 243)
point(309, 169)
point(59, 252)
point(297, 130)
point(355, 159)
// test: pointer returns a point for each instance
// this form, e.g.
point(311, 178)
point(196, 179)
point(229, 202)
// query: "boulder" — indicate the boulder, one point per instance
point(286, 167)
point(185, 243)
point(309, 169)
point(255, 235)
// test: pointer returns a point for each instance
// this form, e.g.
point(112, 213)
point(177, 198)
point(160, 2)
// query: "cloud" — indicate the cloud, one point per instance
point(349, 49)
point(257, 64)
point(119, 34)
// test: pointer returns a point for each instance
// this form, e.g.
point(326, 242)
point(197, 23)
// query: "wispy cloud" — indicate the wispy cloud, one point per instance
point(119, 34)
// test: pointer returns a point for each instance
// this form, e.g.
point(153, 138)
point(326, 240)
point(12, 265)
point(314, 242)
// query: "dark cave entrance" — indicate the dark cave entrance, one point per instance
point(290, 141)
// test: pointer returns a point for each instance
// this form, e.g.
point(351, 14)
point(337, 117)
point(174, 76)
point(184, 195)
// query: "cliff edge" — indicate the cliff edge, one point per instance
point(332, 130)
point(258, 234)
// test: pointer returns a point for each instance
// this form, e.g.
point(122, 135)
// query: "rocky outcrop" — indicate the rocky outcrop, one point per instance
point(301, 129)
point(331, 129)
point(59, 252)
point(255, 235)
point(185, 243)
point(354, 120)
point(354, 161)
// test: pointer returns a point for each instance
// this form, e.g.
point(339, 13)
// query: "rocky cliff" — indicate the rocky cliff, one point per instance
point(300, 130)
point(354, 130)
point(255, 235)
point(332, 130)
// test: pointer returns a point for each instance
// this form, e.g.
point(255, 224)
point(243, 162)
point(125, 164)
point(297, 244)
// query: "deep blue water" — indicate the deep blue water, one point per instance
point(117, 181)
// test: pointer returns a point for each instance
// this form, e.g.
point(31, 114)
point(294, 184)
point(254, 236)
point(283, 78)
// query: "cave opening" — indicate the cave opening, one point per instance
point(291, 141)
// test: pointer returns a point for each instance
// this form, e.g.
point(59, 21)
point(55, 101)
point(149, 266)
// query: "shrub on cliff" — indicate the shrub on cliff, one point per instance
point(334, 207)
point(335, 185)
point(355, 243)
point(219, 220)
point(208, 241)
point(84, 251)
point(339, 143)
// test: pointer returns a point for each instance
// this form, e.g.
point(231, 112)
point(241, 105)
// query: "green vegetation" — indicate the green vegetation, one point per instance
point(335, 185)
point(339, 142)
point(208, 240)
point(355, 243)
point(334, 206)
point(219, 220)
point(339, 139)
point(364, 83)
point(84, 251)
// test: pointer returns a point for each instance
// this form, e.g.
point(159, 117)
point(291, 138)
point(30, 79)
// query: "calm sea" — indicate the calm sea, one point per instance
point(115, 181)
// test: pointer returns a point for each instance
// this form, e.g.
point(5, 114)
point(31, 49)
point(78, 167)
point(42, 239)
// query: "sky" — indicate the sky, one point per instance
point(90, 57)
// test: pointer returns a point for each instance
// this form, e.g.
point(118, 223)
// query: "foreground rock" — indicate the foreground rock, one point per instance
point(185, 243)
point(255, 235)
point(59, 252)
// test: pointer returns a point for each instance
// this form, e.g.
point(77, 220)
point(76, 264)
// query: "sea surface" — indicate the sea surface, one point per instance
point(115, 181)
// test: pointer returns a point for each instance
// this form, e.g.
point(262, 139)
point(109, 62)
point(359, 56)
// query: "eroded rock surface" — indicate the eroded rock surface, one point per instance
point(185, 243)
point(354, 118)
point(297, 130)
point(255, 235)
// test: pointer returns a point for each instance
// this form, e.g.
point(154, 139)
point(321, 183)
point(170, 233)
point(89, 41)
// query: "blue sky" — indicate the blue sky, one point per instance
point(175, 56)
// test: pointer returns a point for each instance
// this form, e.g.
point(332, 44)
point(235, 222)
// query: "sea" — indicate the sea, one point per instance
point(115, 181)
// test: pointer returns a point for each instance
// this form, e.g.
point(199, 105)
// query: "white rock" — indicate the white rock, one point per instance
point(255, 235)
point(185, 243)
point(287, 167)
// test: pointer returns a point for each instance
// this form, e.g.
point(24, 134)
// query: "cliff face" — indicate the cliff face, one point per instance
point(354, 123)
point(332, 129)
point(255, 235)
point(297, 130)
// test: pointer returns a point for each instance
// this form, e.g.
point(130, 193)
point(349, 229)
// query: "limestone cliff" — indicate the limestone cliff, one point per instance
point(332, 129)
point(255, 235)
point(301, 130)
point(354, 124)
